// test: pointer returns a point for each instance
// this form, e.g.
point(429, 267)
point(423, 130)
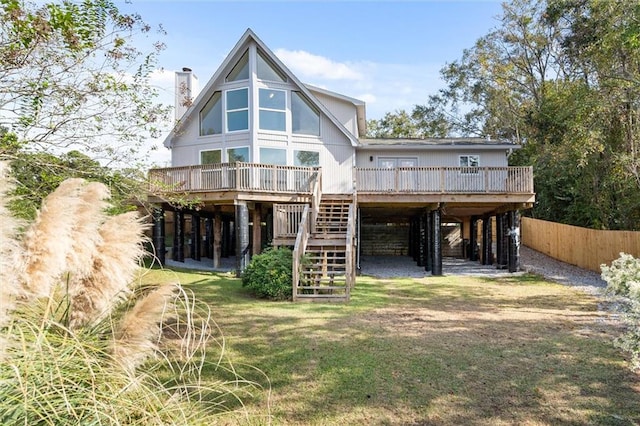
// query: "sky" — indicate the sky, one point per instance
point(386, 53)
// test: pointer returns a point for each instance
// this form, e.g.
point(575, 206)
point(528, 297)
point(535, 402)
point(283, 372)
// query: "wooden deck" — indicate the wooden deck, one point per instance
point(405, 181)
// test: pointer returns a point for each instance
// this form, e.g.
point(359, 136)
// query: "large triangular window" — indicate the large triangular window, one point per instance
point(211, 116)
point(305, 117)
point(267, 70)
point(241, 70)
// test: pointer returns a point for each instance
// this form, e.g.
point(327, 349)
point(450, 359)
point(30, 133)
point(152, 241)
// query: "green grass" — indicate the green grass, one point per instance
point(437, 350)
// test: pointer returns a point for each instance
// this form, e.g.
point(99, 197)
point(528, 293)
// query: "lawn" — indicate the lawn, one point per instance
point(438, 350)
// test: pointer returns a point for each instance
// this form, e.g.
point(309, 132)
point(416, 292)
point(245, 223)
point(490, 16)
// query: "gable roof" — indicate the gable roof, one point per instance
point(239, 48)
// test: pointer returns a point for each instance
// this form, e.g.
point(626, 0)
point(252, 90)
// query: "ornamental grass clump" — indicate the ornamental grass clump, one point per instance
point(623, 279)
point(82, 340)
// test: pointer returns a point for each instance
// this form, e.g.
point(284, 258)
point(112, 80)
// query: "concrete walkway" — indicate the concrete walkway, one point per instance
point(376, 266)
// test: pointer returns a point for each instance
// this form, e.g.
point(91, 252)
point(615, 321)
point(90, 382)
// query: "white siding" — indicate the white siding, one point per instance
point(344, 111)
point(435, 157)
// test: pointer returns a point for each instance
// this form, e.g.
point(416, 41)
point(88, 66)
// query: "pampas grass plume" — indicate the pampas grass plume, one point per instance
point(49, 239)
point(114, 265)
point(85, 234)
point(135, 339)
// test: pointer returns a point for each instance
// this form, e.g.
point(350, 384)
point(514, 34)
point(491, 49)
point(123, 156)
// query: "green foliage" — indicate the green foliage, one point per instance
point(76, 98)
point(425, 121)
point(268, 275)
point(38, 174)
point(623, 279)
point(561, 78)
point(623, 276)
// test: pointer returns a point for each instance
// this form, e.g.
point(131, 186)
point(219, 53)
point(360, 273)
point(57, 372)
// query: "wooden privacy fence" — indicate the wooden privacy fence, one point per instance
point(583, 247)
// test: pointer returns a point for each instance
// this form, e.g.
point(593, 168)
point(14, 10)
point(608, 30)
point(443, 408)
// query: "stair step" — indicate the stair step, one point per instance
point(316, 287)
point(318, 242)
point(320, 298)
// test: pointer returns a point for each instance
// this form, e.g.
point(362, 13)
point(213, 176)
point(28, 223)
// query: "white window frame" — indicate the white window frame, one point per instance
point(227, 110)
point(396, 160)
point(469, 168)
point(226, 153)
point(283, 111)
point(295, 151)
point(209, 150)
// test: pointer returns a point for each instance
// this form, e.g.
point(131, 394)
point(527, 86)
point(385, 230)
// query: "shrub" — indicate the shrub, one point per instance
point(268, 275)
point(623, 279)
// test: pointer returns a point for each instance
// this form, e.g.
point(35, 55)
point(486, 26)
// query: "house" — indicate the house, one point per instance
point(258, 158)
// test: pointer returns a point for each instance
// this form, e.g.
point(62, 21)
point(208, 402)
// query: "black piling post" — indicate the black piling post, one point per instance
point(159, 235)
point(486, 240)
point(514, 241)
point(473, 238)
point(422, 239)
point(428, 244)
point(196, 243)
point(242, 238)
point(436, 267)
point(178, 236)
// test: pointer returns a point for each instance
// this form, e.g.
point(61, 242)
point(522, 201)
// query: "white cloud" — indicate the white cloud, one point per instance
point(384, 87)
point(306, 65)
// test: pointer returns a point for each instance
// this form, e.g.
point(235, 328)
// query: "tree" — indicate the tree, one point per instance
point(72, 81)
point(423, 122)
point(561, 78)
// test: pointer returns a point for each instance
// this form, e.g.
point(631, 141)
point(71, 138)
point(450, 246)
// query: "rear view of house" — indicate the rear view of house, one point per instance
point(262, 159)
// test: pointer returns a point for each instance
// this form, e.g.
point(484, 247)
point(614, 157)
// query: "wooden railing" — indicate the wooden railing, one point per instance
point(349, 251)
point(315, 200)
point(234, 176)
point(299, 248)
point(440, 180)
point(286, 219)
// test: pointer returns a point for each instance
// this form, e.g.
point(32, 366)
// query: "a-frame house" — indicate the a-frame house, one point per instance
point(261, 159)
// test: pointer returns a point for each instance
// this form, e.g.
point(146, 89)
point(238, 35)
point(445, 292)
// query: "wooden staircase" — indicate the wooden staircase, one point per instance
point(326, 269)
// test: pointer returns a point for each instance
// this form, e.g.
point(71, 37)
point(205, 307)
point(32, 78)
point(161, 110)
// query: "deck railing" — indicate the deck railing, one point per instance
point(234, 177)
point(350, 266)
point(439, 180)
point(286, 219)
point(299, 248)
point(306, 180)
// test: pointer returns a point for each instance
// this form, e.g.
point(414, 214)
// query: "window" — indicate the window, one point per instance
point(241, 69)
point(305, 118)
point(306, 158)
point(211, 116)
point(273, 156)
point(267, 70)
point(238, 155)
point(272, 109)
point(213, 156)
point(238, 109)
point(469, 161)
point(394, 162)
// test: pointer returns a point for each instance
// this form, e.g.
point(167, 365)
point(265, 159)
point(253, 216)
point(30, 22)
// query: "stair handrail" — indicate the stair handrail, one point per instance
point(349, 263)
point(299, 249)
point(316, 196)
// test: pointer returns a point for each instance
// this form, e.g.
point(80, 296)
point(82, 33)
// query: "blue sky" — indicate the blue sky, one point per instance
point(386, 53)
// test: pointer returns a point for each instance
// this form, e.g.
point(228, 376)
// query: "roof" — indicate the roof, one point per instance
point(434, 143)
point(239, 47)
